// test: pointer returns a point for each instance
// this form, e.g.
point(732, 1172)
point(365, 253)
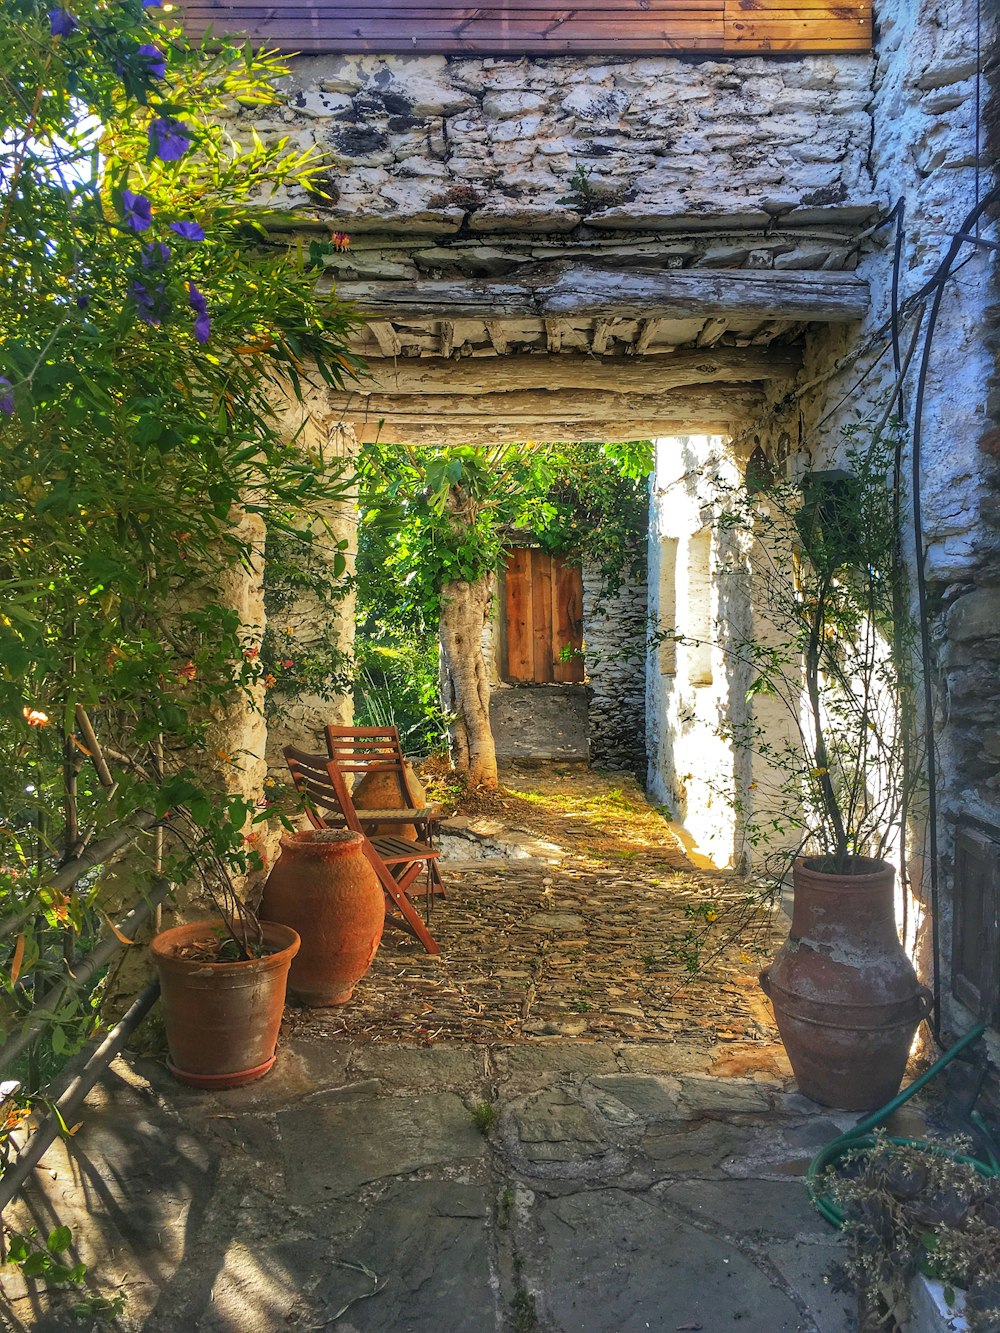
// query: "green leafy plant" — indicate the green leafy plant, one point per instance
point(43, 1259)
point(831, 647)
point(149, 325)
point(485, 1116)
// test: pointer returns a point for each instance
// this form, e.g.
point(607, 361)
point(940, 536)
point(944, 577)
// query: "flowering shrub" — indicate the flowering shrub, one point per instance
point(147, 321)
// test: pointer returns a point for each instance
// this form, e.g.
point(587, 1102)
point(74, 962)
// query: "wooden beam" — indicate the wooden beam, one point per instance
point(647, 334)
point(386, 337)
point(570, 370)
point(602, 336)
point(494, 327)
point(600, 293)
point(712, 331)
point(439, 434)
point(531, 405)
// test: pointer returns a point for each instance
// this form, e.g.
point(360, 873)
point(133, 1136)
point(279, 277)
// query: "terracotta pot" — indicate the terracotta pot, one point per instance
point(222, 1019)
point(323, 886)
point(845, 995)
point(383, 790)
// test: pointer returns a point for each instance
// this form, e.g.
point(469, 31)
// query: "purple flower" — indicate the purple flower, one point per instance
point(6, 397)
point(62, 22)
point(202, 324)
point(155, 255)
point(155, 60)
point(137, 210)
point(82, 302)
point(169, 140)
point(149, 301)
point(190, 231)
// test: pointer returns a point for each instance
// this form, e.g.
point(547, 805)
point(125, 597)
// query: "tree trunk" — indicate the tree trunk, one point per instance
point(465, 687)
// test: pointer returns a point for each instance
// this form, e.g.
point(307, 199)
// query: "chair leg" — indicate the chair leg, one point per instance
point(395, 890)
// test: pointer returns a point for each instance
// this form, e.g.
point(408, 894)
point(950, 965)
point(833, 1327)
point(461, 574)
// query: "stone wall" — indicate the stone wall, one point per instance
point(494, 147)
point(614, 628)
point(923, 154)
point(316, 624)
point(695, 691)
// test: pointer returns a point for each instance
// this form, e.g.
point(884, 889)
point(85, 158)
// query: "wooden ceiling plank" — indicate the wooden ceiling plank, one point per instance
point(622, 294)
point(386, 337)
point(574, 370)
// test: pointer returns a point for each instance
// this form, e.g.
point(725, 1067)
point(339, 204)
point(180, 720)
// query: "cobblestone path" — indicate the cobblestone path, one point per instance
point(588, 934)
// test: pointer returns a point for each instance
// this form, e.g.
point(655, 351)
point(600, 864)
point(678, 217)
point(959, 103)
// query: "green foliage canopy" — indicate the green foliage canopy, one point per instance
point(146, 325)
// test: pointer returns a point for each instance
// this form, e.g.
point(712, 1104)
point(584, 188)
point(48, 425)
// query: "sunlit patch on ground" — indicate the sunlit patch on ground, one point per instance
point(602, 946)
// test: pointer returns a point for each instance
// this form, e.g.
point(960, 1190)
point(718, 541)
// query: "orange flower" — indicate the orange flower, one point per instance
point(187, 672)
point(35, 717)
point(341, 240)
point(270, 680)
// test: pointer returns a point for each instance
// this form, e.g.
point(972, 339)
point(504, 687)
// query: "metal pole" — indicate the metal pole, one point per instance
point(87, 1068)
point(88, 968)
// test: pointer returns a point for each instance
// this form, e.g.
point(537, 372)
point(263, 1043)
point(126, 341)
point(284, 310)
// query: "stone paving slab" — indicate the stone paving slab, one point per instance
point(600, 1198)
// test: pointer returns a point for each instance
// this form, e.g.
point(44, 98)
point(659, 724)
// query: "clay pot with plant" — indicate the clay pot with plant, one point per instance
point(829, 591)
point(223, 983)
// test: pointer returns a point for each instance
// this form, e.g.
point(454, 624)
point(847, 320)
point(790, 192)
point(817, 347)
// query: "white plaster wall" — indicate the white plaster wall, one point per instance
point(692, 765)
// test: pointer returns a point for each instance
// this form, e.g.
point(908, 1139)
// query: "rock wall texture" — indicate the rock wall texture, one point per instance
point(924, 149)
point(439, 144)
point(315, 625)
point(614, 628)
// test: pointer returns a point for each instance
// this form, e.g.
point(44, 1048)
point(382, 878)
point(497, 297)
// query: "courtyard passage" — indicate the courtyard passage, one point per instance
point(553, 1127)
point(574, 910)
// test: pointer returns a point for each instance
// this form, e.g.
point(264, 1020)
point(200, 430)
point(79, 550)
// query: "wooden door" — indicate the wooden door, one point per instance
point(543, 607)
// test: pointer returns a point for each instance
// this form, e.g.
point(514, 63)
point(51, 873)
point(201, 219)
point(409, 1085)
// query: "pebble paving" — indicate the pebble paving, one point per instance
point(585, 935)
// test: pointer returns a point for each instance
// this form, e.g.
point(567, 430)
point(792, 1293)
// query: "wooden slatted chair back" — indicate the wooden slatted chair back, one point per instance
point(364, 750)
point(328, 803)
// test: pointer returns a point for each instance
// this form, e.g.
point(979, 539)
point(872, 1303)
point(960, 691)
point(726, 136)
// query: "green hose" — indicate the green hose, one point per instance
point(861, 1137)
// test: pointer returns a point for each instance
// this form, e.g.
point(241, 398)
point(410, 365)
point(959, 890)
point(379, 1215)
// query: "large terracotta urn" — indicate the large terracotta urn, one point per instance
point(382, 789)
point(845, 995)
point(323, 886)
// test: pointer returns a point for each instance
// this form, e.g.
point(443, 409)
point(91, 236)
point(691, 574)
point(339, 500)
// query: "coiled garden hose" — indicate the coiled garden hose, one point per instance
point(860, 1136)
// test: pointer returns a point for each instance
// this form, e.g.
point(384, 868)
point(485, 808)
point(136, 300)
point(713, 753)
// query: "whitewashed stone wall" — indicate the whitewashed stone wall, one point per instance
point(319, 620)
point(498, 146)
point(696, 691)
point(923, 153)
point(614, 627)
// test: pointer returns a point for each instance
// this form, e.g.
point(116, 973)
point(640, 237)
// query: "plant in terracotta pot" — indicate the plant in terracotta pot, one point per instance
point(827, 671)
point(223, 982)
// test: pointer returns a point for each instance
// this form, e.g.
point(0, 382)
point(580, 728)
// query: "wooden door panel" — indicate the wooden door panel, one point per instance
point(568, 621)
point(541, 621)
point(518, 609)
point(543, 605)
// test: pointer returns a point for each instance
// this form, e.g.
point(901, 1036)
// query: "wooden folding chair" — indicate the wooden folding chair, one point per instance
point(396, 862)
point(365, 750)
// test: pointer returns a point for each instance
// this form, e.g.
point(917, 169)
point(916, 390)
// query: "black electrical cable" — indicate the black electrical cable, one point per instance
point(925, 653)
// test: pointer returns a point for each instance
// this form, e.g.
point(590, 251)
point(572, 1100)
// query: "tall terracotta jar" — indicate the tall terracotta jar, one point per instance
point(845, 995)
point(324, 887)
